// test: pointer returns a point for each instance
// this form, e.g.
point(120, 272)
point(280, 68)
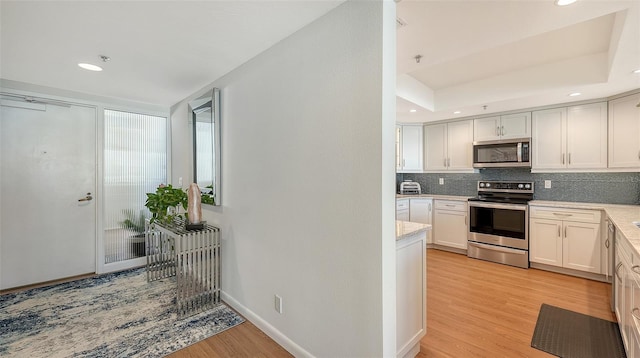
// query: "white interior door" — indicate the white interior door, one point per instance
point(48, 157)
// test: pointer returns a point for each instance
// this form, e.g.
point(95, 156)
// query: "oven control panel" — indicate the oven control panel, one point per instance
point(505, 186)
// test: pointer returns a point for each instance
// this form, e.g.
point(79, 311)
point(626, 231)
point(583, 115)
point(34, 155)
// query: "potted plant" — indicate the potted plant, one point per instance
point(134, 222)
point(165, 204)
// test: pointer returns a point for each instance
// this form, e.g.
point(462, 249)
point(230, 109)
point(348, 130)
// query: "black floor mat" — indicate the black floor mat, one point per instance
point(570, 334)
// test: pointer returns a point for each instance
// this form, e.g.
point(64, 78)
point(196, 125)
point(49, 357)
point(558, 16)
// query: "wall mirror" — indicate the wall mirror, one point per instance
point(205, 117)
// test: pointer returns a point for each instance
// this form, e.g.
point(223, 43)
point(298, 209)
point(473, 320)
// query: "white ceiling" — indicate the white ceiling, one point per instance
point(507, 54)
point(510, 55)
point(161, 51)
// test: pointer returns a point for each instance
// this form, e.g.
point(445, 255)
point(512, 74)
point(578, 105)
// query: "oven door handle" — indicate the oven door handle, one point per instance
point(498, 248)
point(498, 205)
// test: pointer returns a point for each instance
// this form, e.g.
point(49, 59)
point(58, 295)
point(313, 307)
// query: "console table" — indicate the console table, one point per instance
point(193, 257)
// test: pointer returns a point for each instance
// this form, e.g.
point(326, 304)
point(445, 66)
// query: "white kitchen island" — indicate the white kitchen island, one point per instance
point(411, 286)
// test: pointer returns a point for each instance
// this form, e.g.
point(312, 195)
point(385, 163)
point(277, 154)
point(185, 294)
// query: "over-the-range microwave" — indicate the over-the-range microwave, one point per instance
point(504, 153)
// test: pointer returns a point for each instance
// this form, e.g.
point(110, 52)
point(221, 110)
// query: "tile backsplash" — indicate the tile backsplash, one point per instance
point(610, 188)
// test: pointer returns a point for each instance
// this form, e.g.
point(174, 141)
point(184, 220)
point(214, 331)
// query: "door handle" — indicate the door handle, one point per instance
point(87, 198)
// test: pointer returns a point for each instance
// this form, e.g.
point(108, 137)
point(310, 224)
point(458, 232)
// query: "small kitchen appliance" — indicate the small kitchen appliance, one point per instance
point(409, 187)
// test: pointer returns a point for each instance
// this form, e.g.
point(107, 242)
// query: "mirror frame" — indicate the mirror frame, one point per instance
point(210, 98)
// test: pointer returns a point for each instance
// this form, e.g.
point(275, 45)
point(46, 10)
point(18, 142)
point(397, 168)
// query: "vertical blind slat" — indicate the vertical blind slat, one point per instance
point(135, 163)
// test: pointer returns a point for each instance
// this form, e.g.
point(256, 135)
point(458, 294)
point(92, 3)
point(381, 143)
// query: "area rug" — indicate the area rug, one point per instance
point(113, 315)
point(569, 334)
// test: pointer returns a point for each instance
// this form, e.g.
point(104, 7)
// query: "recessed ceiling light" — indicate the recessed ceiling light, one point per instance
point(564, 2)
point(574, 94)
point(90, 67)
point(457, 112)
point(413, 110)
point(636, 71)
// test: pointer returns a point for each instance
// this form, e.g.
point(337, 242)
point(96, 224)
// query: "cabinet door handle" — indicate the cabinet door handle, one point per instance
point(559, 231)
point(465, 220)
point(498, 130)
point(569, 158)
point(606, 244)
point(617, 270)
point(636, 313)
point(562, 158)
point(636, 269)
point(565, 231)
point(502, 130)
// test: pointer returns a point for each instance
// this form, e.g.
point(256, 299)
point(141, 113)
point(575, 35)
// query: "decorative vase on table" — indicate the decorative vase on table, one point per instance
point(194, 208)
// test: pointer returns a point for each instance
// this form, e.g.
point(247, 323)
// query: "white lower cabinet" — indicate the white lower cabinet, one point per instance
point(418, 210)
point(545, 242)
point(411, 294)
point(421, 211)
point(568, 238)
point(402, 209)
point(627, 295)
point(450, 223)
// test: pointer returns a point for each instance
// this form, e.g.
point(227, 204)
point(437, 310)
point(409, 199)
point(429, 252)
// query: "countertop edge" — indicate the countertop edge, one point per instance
point(434, 196)
point(406, 229)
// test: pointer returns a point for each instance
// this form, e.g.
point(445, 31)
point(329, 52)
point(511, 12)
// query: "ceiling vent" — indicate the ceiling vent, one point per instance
point(400, 22)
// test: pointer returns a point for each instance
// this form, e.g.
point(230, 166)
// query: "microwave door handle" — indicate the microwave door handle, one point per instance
point(519, 151)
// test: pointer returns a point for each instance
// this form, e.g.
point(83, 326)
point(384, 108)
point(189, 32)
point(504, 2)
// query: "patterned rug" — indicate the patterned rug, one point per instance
point(113, 315)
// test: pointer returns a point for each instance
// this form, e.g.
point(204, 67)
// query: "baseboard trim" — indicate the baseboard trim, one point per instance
point(266, 327)
point(447, 248)
point(570, 272)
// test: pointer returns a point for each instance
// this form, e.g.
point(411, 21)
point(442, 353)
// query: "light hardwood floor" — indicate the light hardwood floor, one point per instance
point(474, 309)
point(483, 309)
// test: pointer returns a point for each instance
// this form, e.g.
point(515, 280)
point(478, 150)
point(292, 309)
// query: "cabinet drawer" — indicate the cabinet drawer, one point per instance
point(451, 205)
point(581, 215)
point(625, 250)
point(402, 204)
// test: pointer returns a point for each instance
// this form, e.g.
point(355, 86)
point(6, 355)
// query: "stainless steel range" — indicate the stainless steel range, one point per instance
point(499, 222)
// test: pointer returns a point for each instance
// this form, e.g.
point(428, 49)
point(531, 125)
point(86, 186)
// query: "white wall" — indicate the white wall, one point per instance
point(308, 184)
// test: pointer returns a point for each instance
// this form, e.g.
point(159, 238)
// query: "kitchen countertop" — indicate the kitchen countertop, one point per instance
point(405, 229)
point(433, 196)
point(621, 216)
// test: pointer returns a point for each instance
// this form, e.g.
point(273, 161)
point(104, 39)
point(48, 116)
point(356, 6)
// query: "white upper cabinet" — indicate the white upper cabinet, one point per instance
point(435, 147)
point(486, 128)
point(502, 127)
point(449, 146)
point(460, 145)
point(570, 138)
point(624, 132)
point(587, 136)
point(410, 148)
point(548, 141)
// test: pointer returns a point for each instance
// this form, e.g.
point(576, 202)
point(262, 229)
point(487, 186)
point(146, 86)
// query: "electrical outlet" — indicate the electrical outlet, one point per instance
point(180, 181)
point(547, 184)
point(441, 181)
point(278, 304)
